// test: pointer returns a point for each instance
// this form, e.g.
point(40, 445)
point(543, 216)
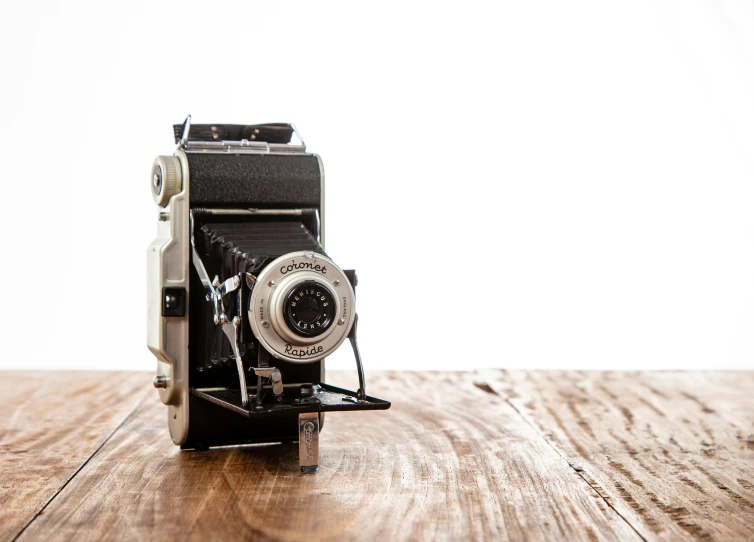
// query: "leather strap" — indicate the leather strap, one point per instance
point(269, 133)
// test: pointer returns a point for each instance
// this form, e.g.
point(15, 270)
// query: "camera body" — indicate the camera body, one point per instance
point(244, 304)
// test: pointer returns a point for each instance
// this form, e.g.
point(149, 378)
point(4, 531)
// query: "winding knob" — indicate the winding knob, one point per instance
point(166, 179)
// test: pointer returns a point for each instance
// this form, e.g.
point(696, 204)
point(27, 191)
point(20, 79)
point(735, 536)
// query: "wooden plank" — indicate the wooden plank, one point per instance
point(673, 452)
point(449, 461)
point(50, 425)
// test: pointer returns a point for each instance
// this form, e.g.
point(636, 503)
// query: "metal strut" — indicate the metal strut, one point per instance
point(362, 391)
point(215, 293)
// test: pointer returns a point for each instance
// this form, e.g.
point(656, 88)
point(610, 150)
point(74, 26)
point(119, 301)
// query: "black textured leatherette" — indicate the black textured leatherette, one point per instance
point(259, 180)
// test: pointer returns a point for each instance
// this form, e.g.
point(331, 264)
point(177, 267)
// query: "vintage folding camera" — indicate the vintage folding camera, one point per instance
point(244, 305)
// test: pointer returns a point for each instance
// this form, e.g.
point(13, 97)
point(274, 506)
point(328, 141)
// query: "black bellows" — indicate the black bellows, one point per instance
point(230, 248)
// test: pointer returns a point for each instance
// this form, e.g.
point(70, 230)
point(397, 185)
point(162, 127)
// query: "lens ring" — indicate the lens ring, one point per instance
point(266, 306)
point(309, 309)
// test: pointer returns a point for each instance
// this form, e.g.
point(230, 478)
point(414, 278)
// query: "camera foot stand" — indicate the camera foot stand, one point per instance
point(308, 441)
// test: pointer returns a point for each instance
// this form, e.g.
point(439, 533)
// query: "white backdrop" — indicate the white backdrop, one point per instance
point(519, 184)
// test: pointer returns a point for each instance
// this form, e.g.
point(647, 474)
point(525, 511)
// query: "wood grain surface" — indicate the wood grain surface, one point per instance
point(460, 456)
point(672, 452)
point(449, 461)
point(50, 425)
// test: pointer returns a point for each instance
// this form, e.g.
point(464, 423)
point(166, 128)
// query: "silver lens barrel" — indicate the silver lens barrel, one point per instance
point(297, 278)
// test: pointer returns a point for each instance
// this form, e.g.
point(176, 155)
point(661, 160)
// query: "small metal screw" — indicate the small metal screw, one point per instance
point(157, 181)
point(341, 322)
point(160, 382)
point(164, 216)
point(271, 283)
point(336, 282)
point(310, 389)
point(265, 324)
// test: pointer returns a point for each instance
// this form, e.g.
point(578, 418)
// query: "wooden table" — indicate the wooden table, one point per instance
point(489, 455)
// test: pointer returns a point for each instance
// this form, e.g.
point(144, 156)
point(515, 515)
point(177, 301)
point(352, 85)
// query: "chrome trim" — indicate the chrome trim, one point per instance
point(250, 212)
point(298, 135)
point(186, 130)
point(244, 146)
point(168, 264)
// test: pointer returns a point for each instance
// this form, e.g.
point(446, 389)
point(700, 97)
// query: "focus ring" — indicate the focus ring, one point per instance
point(308, 309)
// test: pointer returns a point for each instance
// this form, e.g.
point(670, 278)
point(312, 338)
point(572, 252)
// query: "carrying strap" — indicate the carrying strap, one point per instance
point(269, 133)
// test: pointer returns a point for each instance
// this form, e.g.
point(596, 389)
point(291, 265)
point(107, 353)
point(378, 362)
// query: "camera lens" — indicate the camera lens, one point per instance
point(308, 309)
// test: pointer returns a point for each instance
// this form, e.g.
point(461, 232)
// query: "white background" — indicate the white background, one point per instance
point(519, 184)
